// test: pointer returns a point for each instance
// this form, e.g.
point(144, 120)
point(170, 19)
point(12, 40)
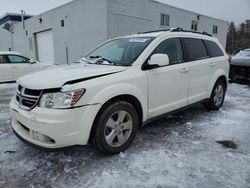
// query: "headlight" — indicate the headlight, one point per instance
point(61, 100)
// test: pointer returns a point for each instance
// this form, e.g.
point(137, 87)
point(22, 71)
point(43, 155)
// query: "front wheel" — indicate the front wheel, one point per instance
point(217, 97)
point(115, 128)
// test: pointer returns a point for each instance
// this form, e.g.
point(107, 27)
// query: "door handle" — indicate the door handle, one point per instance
point(184, 70)
point(212, 64)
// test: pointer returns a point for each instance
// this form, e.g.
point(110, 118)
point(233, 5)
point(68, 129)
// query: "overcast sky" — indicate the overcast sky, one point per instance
point(230, 10)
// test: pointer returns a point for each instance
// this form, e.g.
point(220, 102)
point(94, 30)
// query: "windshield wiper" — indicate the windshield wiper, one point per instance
point(103, 59)
point(84, 60)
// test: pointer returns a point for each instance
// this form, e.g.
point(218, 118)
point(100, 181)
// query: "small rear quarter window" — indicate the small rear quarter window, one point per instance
point(214, 49)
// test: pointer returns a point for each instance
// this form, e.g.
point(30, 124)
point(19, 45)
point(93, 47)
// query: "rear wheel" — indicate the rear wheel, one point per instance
point(115, 128)
point(217, 97)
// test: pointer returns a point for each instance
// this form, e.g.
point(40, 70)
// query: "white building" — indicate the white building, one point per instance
point(68, 32)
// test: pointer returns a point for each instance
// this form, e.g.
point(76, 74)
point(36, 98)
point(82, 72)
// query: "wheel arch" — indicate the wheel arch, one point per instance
point(224, 79)
point(219, 75)
point(134, 101)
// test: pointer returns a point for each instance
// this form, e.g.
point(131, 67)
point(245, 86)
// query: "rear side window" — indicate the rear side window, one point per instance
point(172, 47)
point(214, 49)
point(2, 59)
point(195, 49)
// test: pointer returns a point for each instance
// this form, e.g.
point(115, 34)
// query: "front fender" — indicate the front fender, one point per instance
point(115, 90)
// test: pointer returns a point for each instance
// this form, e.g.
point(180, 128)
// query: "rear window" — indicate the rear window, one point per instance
point(195, 49)
point(214, 49)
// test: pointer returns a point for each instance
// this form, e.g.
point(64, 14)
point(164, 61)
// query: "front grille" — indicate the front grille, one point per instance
point(27, 98)
point(239, 72)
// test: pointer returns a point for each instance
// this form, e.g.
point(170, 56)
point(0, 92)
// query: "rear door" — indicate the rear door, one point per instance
point(201, 68)
point(217, 57)
point(20, 65)
point(5, 69)
point(168, 86)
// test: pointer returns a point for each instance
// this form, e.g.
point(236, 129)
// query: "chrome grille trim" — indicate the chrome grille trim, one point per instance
point(27, 101)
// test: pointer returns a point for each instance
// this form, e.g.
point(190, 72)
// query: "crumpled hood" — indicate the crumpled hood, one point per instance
point(241, 61)
point(57, 77)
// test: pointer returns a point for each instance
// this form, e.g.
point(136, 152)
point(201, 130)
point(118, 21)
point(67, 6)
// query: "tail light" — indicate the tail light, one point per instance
point(229, 59)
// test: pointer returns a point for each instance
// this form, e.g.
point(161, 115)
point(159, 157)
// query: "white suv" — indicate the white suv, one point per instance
point(122, 85)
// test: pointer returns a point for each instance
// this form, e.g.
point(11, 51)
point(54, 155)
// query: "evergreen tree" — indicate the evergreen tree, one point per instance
point(231, 38)
point(237, 39)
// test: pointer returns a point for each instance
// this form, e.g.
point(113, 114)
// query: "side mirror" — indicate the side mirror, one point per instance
point(158, 60)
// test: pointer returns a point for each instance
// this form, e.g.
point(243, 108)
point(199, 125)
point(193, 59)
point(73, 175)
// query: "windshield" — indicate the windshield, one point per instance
point(121, 52)
point(243, 54)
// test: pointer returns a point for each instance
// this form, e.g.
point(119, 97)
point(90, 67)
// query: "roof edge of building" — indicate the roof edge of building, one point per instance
point(159, 2)
point(13, 14)
point(60, 6)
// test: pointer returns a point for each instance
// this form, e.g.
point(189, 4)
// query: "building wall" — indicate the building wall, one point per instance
point(85, 27)
point(127, 17)
point(5, 40)
point(91, 22)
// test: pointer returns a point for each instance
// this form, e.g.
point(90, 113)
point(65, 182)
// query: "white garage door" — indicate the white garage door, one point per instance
point(45, 46)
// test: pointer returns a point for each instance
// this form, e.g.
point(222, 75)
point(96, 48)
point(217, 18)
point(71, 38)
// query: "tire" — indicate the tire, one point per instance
point(217, 98)
point(115, 128)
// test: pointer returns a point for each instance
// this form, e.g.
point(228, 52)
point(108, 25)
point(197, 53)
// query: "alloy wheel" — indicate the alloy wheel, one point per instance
point(118, 128)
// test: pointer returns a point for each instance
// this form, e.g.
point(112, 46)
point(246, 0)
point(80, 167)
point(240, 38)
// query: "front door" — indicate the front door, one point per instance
point(5, 69)
point(168, 86)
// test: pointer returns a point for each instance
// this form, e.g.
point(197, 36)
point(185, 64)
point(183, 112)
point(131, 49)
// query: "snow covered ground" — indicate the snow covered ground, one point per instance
point(178, 151)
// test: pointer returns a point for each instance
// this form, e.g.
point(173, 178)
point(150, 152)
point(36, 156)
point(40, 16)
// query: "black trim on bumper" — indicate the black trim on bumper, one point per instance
point(40, 147)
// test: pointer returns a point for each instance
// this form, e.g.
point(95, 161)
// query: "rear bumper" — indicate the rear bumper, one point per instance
point(52, 129)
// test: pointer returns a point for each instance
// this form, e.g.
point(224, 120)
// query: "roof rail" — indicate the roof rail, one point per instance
point(178, 29)
point(153, 31)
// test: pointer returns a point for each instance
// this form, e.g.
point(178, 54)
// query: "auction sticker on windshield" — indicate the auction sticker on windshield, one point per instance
point(139, 40)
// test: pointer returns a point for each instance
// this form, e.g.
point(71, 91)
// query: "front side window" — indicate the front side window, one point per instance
point(172, 47)
point(2, 59)
point(18, 59)
point(122, 52)
point(195, 49)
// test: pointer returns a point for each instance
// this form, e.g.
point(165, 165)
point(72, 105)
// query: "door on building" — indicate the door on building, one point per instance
point(45, 46)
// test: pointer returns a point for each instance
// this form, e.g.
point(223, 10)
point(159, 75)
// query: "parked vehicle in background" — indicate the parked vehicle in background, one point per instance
point(13, 65)
point(123, 84)
point(240, 67)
